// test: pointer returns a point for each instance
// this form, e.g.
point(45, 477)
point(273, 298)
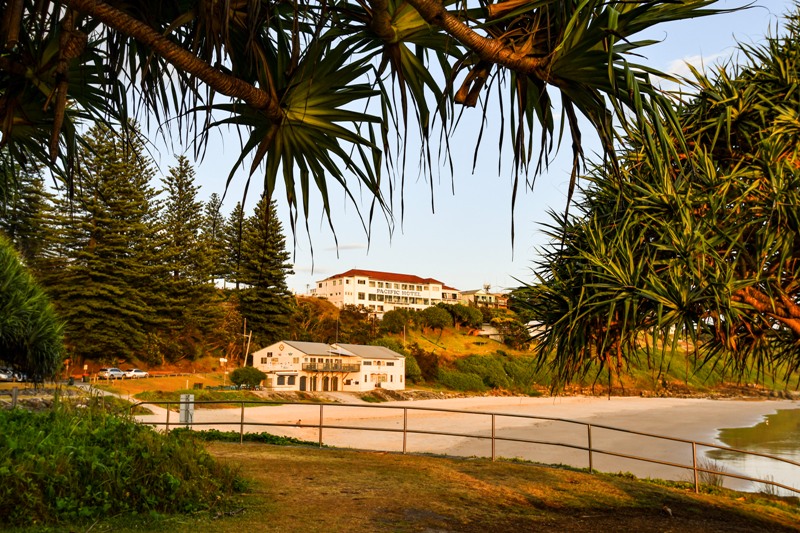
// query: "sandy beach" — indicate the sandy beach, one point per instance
point(690, 419)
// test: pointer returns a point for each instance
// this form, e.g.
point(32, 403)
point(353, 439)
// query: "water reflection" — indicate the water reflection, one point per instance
point(778, 434)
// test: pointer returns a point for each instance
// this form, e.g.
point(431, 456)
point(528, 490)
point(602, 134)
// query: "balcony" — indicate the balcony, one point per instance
point(327, 367)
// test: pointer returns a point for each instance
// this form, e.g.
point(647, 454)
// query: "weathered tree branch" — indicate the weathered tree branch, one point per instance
point(177, 56)
point(381, 22)
point(491, 50)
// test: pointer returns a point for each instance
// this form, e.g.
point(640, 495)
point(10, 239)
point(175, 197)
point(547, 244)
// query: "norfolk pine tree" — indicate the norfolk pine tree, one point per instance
point(265, 301)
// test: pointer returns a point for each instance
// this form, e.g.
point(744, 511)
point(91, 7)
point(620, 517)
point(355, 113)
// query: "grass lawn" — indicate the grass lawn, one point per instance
point(311, 490)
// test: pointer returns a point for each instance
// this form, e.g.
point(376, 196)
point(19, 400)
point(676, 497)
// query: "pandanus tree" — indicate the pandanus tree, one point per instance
point(31, 337)
point(704, 250)
point(329, 94)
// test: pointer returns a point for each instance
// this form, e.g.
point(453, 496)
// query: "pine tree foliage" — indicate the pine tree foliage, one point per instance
point(189, 307)
point(104, 293)
point(23, 207)
point(232, 240)
point(213, 236)
point(266, 301)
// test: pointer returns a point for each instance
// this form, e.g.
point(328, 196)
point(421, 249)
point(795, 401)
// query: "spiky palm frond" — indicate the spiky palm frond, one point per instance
point(703, 249)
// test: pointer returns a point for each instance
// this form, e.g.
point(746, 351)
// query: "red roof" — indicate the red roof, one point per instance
point(389, 276)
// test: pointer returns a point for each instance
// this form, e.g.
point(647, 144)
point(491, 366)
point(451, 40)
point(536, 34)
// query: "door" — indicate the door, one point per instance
point(325, 383)
point(302, 383)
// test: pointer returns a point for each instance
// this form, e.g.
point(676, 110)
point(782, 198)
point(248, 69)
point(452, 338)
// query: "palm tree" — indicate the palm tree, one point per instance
point(705, 250)
point(30, 333)
point(325, 92)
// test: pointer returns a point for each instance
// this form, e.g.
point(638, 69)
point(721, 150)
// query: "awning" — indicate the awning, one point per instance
point(293, 373)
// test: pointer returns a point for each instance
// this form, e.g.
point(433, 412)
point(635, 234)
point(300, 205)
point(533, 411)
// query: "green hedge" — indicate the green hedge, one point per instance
point(79, 465)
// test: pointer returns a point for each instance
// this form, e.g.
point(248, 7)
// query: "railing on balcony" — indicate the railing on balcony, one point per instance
point(327, 367)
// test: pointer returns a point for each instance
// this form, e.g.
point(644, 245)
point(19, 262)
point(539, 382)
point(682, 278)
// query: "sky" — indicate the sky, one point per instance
point(466, 243)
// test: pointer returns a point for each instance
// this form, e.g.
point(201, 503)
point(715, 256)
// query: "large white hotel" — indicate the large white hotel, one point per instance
point(384, 291)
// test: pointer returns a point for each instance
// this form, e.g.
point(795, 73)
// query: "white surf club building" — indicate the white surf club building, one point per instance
point(315, 366)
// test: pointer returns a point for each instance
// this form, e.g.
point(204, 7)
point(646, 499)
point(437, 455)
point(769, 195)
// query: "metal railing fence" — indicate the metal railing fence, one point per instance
point(591, 450)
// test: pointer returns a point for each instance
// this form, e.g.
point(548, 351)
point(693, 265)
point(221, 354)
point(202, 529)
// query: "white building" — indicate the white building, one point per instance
point(384, 291)
point(315, 366)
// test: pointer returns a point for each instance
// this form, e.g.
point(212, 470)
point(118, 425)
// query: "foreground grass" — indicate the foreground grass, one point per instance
point(311, 490)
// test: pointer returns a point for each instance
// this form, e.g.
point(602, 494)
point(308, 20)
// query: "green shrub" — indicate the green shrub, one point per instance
point(413, 371)
point(490, 369)
point(247, 375)
point(453, 379)
point(80, 465)
point(234, 436)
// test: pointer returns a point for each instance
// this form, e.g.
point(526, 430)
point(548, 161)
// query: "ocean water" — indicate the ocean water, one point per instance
point(777, 434)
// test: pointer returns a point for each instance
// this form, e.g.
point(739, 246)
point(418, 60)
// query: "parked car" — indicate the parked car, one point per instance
point(111, 373)
point(6, 374)
point(135, 373)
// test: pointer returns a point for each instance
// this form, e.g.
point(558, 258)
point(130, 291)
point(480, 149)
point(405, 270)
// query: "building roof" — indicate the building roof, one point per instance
point(369, 352)
point(341, 350)
point(389, 276)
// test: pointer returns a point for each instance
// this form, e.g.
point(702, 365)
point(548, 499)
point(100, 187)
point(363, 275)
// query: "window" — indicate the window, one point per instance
point(396, 285)
point(367, 363)
point(347, 282)
point(380, 284)
point(391, 378)
point(264, 360)
point(419, 287)
point(320, 285)
point(365, 379)
point(362, 296)
point(405, 287)
point(390, 363)
point(380, 308)
point(269, 354)
point(362, 282)
point(281, 380)
point(295, 360)
point(380, 297)
point(291, 380)
point(371, 283)
point(371, 297)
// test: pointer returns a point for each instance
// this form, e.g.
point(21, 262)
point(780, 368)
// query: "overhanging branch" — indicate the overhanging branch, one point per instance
point(178, 57)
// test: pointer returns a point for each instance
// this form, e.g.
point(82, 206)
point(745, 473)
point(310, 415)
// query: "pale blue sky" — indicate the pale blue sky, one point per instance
point(467, 241)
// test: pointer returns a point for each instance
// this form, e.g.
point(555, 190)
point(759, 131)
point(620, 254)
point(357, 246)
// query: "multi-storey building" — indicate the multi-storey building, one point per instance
point(384, 291)
point(314, 366)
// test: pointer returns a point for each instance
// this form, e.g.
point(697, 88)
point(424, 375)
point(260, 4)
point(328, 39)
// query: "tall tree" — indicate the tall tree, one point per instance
point(705, 250)
point(190, 310)
point(23, 211)
point(290, 76)
point(213, 236)
point(232, 239)
point(104, 292)
point(266, 302)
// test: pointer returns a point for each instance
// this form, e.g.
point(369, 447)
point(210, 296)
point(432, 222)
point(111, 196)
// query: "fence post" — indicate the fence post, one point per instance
point(167, 428)
point(405, 427)
point(492, 437)
point(694, 467)
point(241, 426)
point(320, 425)
point(589, 434)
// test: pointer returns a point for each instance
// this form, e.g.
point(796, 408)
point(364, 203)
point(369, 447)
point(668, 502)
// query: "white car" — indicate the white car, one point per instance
point(111, 373)
point(135, 373)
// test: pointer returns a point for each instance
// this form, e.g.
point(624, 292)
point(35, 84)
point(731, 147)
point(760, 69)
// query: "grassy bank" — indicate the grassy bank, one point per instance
point(310, 490)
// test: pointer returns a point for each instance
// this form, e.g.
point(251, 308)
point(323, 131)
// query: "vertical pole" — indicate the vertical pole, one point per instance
point(694, 467)
point(405, 427)
point(167, 429)
point(493, 437)
point(589, 434)
point(241, 426)
point(320, 425)
point(14, 393)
